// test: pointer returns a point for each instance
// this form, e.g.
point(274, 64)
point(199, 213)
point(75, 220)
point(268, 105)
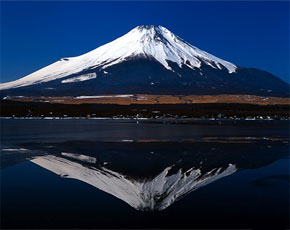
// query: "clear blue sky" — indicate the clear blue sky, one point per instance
point(248, 34)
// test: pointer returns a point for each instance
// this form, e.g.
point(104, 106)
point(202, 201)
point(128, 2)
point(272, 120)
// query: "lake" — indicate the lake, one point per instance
point(103, 173)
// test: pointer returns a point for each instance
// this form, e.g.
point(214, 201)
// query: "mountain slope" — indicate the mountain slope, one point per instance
point(148, 59)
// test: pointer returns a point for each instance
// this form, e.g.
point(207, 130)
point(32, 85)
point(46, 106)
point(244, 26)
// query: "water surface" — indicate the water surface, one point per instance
point(124, 174)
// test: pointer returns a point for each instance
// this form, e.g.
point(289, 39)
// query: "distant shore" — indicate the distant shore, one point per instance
point(248, 110)
point(148, 99)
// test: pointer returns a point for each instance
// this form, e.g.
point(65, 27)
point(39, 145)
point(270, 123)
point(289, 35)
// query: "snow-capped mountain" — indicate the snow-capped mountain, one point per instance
point(148, 59)
point(153, 194)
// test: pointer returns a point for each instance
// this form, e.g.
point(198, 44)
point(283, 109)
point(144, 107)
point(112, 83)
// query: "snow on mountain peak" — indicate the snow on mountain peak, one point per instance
point(146, 40)
point(164, 46)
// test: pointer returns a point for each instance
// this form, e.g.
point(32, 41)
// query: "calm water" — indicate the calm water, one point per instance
point(120, 174)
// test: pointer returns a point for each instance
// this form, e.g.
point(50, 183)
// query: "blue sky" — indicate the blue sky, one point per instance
point(248, 34)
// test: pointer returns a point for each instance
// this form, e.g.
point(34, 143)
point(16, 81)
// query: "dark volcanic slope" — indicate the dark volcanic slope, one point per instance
point(144, 75)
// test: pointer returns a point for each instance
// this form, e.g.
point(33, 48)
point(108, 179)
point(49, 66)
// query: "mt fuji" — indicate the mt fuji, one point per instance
point(146, 60)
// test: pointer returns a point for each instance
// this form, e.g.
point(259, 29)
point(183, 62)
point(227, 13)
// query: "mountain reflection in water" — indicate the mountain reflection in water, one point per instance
point(152, 175)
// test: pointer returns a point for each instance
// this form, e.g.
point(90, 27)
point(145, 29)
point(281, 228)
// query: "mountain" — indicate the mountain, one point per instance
point(146, 60)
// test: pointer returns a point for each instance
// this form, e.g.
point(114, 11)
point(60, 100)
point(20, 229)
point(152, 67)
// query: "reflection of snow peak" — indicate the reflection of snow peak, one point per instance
point(80, 157)
point(155, 194)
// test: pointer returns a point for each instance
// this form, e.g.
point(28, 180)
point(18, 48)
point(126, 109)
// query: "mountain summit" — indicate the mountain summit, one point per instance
point(148, 59)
